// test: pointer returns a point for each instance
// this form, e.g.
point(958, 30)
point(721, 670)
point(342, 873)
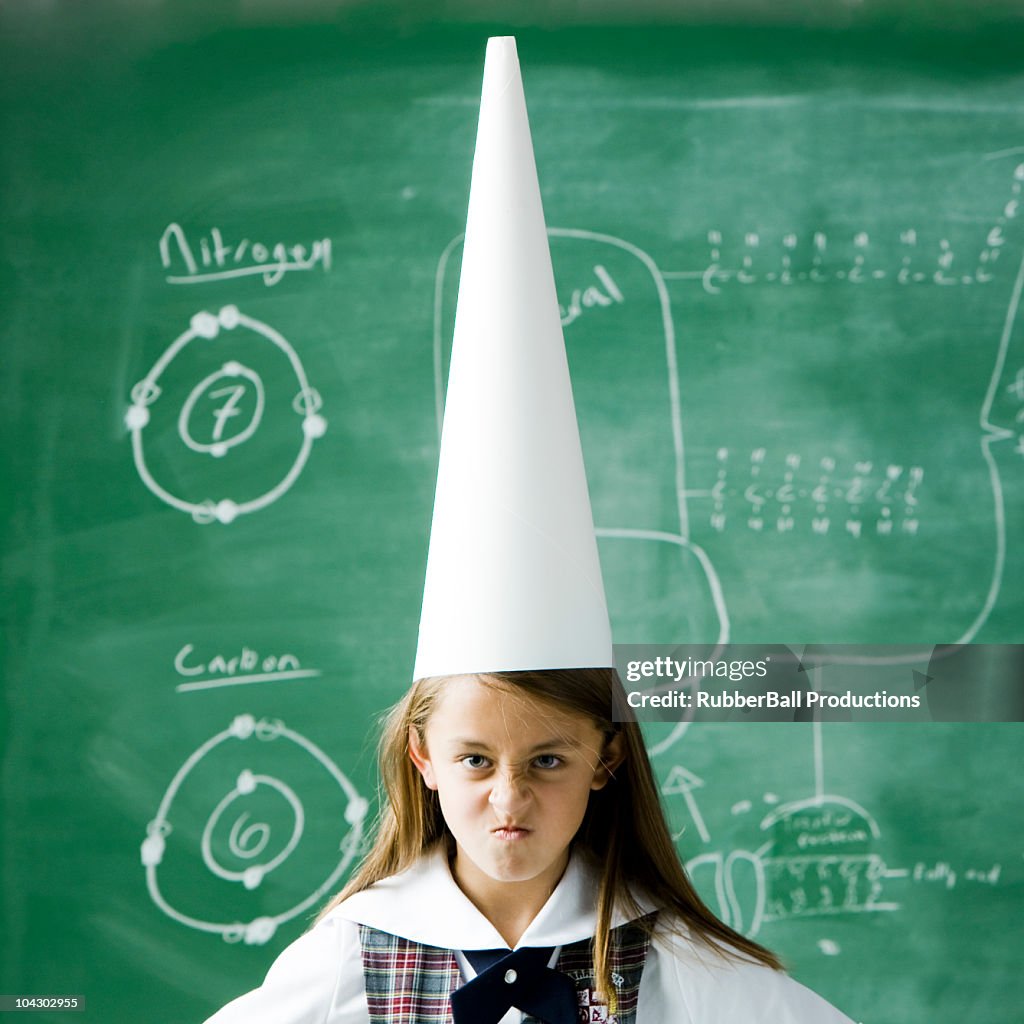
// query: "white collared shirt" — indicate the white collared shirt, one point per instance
point(318, 979)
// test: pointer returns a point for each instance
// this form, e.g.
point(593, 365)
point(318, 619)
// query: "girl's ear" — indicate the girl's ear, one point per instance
point(419, 757)
point(611, 757)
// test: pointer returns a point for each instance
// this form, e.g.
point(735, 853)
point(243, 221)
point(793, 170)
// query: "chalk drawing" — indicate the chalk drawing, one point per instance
point(820, 860)
point(684, 782)
point(224, 392)
point(817, 857)
point(883, 498)
point(747, 913)
point(252, 849)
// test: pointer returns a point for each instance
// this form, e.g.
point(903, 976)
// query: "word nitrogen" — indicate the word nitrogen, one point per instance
point(219, 260)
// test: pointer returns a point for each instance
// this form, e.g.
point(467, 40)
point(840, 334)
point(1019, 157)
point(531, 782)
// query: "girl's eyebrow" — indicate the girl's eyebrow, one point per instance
point(555, 742)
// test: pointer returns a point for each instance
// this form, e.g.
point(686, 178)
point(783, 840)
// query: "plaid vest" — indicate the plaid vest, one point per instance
point(409, 983)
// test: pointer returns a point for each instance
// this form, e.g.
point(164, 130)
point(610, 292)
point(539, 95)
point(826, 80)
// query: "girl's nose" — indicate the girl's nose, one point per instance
point(509, 794)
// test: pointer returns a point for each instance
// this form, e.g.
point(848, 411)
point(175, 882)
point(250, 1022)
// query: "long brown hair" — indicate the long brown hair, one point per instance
point(624, 831)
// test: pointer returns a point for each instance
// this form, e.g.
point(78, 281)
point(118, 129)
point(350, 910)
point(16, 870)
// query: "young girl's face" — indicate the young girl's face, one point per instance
point(513, 775)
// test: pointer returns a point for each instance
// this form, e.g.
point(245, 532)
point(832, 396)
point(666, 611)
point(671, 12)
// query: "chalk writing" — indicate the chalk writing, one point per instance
point(219, 260)
point(815, 257)
point(943, 874)
point(242, 382)
point(604, 293)
point(247, 666)
point(791, 491)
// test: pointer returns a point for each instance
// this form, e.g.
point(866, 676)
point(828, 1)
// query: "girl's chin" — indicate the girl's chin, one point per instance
point(511, 863)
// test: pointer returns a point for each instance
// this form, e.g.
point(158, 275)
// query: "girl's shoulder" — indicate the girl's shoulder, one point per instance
point(722, 986)
point(316, 978)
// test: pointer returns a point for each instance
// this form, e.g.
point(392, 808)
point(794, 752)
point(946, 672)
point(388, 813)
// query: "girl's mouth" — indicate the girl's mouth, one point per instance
point(510, 833)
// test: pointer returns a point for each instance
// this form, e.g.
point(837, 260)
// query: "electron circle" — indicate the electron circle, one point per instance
point(307, 404)
point(246, 728)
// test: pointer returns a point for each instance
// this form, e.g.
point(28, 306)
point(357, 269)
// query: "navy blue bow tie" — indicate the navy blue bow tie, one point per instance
point(521, 979)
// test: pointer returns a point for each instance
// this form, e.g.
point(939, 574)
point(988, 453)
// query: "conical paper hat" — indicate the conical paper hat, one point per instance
point(513, 580)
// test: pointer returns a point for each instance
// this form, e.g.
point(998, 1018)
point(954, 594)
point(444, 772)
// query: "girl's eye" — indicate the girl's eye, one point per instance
point(475, 761)
point(548, 761)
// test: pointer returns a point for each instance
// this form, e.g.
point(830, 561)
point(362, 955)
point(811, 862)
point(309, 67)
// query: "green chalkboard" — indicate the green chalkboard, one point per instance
point(790, 264)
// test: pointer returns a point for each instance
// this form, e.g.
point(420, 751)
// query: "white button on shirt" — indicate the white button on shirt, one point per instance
point(318, 979)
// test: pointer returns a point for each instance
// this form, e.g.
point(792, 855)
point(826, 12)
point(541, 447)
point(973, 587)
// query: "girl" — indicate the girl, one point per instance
point(522, 868)
point(522, 871)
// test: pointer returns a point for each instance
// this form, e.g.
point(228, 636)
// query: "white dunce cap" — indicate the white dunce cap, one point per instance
point(513, 579)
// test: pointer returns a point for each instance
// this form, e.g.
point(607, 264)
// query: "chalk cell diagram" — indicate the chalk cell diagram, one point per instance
point(237, 843)
point(222, 411)
point(818, 860)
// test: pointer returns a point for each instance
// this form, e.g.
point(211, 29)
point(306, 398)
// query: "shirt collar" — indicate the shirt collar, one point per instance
point(425, 905)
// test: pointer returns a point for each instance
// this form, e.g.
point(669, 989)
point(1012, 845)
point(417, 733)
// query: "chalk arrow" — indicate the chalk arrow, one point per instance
point(681, 781)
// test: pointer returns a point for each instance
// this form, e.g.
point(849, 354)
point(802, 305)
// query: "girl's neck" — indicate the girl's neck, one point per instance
point(509, 906)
